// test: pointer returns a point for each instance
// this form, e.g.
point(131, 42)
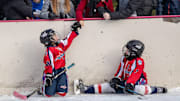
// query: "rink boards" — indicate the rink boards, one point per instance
point(96, 51)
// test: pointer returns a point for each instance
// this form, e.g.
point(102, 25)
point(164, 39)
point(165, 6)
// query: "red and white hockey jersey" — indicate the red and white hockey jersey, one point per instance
point(54, 57)
point(132, 71)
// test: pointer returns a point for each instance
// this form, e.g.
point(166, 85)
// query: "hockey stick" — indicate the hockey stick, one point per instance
point(141, 97)
point(134, 92)
point(64, 70)
point(25, 97)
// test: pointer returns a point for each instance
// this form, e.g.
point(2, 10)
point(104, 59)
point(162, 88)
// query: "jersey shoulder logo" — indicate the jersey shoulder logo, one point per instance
point(139, 62)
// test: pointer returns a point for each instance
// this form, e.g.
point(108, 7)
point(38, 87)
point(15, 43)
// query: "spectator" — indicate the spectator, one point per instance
point(93, 8)
point(17, 9)
point(1, 14)
point(57, 9)
point(1, 9)
point(168, 7)
point(126, 9)
point(147, 8)
point(37, 7)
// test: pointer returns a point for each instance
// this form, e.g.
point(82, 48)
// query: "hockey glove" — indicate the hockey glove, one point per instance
point(49, 79)
point(75, 26)
point(116, 81)
point(129, 88)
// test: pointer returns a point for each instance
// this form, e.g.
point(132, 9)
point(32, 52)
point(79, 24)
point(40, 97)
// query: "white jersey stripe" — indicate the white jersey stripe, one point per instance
point(133, 67)
point(51, 60)
point(122, 65)
point(65, 42)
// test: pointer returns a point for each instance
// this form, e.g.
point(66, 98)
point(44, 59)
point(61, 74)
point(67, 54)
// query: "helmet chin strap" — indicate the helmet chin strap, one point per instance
point(57, 42)
point(130, 56)
point(53, 42)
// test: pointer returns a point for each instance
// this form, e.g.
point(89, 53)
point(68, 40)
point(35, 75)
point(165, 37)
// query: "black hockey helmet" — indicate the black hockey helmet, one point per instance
point(46, 37)
point(133, 49)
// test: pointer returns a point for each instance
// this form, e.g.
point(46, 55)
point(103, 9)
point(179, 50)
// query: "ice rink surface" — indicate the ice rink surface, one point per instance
point(172, 95)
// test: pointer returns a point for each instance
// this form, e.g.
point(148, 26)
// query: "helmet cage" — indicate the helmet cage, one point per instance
point(128, 53)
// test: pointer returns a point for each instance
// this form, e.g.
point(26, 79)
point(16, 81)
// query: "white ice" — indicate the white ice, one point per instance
point(172, 95)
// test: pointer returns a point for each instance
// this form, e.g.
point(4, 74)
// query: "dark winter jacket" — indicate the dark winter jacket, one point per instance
point(1, 14)
point(147, 7)
point(142, 8)
point(92, 10)
point(2, 2)
point(17, 9)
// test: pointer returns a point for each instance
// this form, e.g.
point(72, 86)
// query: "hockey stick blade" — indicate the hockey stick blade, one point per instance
point(20, 96)
point(24, 97)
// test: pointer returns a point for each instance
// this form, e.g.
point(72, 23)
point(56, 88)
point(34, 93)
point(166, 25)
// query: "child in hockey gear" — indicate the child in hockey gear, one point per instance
point(54, 61)
point(129, 78)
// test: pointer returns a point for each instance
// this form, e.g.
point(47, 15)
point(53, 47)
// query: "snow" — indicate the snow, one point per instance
point(172, 95)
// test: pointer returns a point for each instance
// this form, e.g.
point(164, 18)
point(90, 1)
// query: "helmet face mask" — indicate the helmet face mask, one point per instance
point(126, 52)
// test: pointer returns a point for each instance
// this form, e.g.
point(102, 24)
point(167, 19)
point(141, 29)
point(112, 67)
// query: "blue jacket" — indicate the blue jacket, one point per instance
point(36, 6)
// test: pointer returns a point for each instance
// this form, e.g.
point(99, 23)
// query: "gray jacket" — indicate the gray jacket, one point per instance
point(47, 8)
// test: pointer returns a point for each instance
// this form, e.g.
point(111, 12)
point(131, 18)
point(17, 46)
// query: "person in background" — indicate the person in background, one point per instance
point(57, 9)
point(168, 7)
point(37, 7)
point(2, 2)
point(93, 8)
point(17, 9)
point(127, 8)
point(1, 14)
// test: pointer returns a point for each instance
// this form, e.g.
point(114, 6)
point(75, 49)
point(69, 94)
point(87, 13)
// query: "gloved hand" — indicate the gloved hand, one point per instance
point(36, 13)
point(75, 26)
point(52, 16)
point(49, 79)
point(128, 87)
point(116, 81)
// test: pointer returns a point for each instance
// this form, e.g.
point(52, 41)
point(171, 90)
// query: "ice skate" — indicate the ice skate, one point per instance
point(78, 86)
point(162, 90)
point(158, 90)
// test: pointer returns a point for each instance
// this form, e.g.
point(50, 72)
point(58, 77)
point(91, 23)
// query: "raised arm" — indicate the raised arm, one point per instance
point(70, 37)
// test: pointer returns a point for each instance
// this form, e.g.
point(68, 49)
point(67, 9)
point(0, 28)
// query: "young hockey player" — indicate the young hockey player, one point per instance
point(54, 61)
point(129, 78)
